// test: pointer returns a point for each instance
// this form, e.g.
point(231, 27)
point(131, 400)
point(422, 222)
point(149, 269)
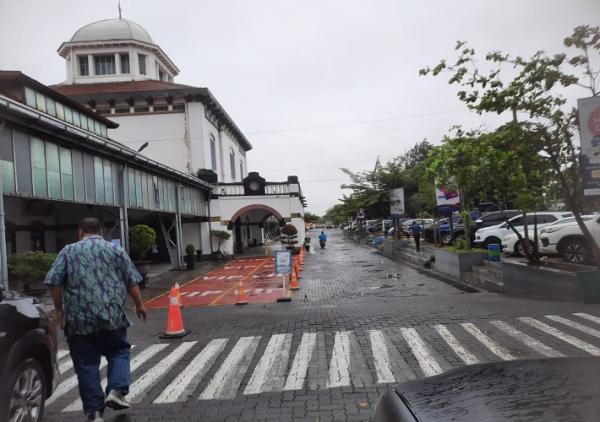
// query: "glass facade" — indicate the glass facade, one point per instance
point(47, 105)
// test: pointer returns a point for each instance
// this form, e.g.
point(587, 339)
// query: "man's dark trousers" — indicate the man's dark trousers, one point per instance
point(418, 242)
point(86, 351)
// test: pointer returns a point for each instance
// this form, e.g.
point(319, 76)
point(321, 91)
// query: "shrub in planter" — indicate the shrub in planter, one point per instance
point(141, 239)
point(221, 235)
point(289, 236)
point(190, 251)
point(30, 267)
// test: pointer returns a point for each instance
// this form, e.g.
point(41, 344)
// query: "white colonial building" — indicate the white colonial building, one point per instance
point(115, 69)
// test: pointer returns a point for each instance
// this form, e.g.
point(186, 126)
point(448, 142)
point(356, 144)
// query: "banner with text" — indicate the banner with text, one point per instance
point(589, 130)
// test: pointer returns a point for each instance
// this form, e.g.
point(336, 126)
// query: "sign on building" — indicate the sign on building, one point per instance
point(447, 200)
point(589, 130)
point(283, 262)
point(397, 202)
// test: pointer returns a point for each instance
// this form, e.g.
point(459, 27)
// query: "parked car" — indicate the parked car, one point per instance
point(511, 243)
point(559, 389)
point(568, 241)
point(494, 234)
point(28, 367)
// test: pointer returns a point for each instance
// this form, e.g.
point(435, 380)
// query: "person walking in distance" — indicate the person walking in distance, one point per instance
point(89, 282)
point(415, 229)
point(322, 239)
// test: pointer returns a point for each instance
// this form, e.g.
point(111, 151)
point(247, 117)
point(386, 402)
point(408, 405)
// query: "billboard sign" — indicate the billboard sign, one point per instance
point(397, 202)
point(283, 262)
point(589, 130)
point(447, 200)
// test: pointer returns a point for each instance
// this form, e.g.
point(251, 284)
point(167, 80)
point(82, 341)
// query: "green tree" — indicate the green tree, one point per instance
point(309, 217)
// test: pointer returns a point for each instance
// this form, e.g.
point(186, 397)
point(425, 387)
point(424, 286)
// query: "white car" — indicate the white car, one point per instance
point(494, 234)
point(511, 243)
point(568, 241)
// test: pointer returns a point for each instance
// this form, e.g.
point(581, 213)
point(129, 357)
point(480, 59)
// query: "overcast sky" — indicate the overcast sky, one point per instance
point(316, 84)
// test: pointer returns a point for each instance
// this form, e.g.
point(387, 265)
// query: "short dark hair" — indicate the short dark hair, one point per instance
point(90, 225)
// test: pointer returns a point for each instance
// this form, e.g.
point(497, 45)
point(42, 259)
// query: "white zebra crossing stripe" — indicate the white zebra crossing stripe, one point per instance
point(135, 363)
point(61, 354)
point(339, 366)
point(492, 346)
point(297, 375)
point(419, 349)
point(270, 371)
point(527, 340)
point(140, 387)
point(466, 356)
point(383, 366)
point(65, 365)
point(67, 385)
point(588, 317)
point(583, 328)
point(226, 381)
point(574, 341)
point(185, 383)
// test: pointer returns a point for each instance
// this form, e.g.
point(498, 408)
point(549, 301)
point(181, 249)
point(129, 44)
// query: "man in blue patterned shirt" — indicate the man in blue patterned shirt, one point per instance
point(92, 278)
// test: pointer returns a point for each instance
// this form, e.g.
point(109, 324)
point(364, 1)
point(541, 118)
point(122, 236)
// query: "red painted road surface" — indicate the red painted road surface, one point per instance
point(220, 286)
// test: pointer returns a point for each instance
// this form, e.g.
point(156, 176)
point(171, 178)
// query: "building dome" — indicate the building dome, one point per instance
point(112, 29)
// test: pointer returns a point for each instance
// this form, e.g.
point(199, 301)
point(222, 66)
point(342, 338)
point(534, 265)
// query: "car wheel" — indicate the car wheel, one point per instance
point(446, 238)
point(26, 393)
point(575, 251)
point(490, 241)
point(519, 250)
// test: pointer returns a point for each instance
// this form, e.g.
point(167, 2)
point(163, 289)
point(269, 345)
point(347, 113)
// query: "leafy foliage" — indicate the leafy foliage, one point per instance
point(309, 217)
point(141, 239)
point(289, 235)
point(221, 235)
point(190, 249)
point(30, 267)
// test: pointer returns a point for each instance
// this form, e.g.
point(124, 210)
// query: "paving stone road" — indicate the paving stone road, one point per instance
point(367, 323)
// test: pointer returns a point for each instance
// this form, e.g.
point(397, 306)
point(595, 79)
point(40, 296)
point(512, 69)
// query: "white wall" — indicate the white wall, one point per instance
point(165, 132)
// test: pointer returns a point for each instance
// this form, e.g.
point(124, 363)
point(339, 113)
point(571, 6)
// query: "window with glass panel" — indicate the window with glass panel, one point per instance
point(68, 115)
point(232, 164)
point(142, 63)
point(104, 65)
point(108, 183)
point(161, 194)
point(66, 173)
point(138, 189)
point(145, 189)
point(50, 106)
point(7, 167)
point(124, 63)
point(30, 97)
point(213, 153)
point(76, 119)
point(241, 170)
point(38, 167)
point(53, 171)
point(83, 66)
point(131, 186)
point(60, 111)
point(99, 180)
point(41, 102)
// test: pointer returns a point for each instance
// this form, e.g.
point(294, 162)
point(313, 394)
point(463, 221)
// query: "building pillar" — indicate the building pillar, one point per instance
point(178, 229)
point(117, 64)
point(91, 68)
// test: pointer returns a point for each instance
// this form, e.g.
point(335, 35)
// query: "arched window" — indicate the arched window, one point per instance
point(241, 170)
point(232, 163)
point(213, 153)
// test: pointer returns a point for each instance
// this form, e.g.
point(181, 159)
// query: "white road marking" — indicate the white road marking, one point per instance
point(527, 340)
point(419, 349)
point(339, 366)
point(583, 328)
point(65, 365)
point(140, 387)
point(183, 386)
point(588, 317)
point(211, 292)
point(383, 366)
point(574, 341)
point(493, 347)
point(297, 375)
point(135, 363)
point(226, 381)
point(269, 372)
point(466, 356)
point(258, 290)
point(61, 354)
point(67, 384)
point(192, 294)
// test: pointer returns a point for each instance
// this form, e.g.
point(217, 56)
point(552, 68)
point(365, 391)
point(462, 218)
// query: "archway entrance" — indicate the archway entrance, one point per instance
point(248, 225)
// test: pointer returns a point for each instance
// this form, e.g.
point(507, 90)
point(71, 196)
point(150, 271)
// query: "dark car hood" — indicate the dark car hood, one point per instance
point(564, 389)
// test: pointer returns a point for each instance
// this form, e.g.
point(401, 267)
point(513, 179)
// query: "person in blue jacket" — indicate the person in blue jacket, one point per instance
point(415, 228)
point(322, 239)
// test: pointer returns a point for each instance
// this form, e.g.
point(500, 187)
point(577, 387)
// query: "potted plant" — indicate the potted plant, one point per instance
point(307, 244)
point(190, 251)
point(141, 239)
point(29, 268)
point(289, 237)
point(221, 235)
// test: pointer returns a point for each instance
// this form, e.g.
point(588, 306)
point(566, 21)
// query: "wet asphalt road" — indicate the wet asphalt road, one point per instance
point(359, 323)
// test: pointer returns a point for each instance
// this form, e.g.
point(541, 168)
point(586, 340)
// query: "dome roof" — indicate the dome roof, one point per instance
point(112, 29)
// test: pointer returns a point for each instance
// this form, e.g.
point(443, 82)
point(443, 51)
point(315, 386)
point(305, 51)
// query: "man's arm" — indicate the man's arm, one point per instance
point(56, 293)
point(55, 279)
point(136, 295)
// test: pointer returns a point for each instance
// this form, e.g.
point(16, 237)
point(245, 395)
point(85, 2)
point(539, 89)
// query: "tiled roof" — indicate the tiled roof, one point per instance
point(118, 87)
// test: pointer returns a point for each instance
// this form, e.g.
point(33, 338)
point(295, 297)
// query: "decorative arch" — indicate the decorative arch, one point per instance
point(263, 207)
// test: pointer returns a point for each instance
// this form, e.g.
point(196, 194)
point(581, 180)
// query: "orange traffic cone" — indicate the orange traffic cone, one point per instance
point(294, 281)
point(242, 297)
point(175, 327)
point(297, 269)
